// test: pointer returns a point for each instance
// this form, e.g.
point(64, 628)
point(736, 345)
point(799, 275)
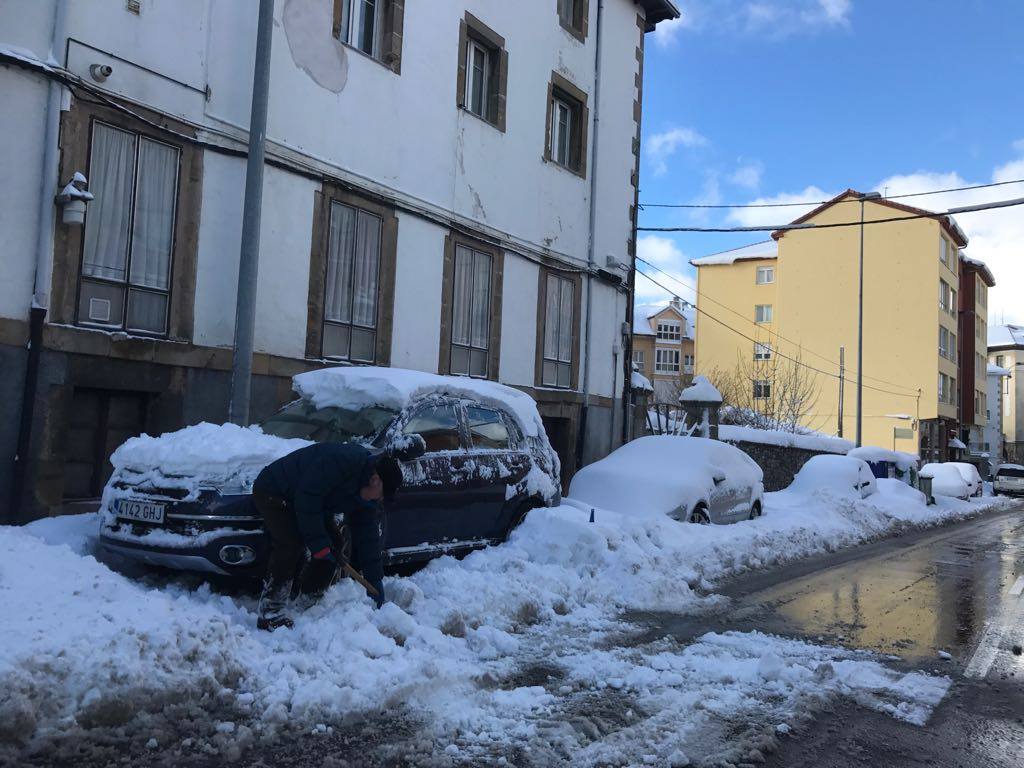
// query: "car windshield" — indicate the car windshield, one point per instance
point(335, 425)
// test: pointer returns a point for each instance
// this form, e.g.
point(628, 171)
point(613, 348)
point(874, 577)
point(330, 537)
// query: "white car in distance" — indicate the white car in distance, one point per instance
point(1008, 480)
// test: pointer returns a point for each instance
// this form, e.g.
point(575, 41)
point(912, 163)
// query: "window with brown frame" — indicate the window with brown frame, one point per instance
point(471, 308)
point(373, 27)
point(352, 279)
point(572, 15)
point(482, 80)
point(567, 125)
point(132, 267)
point(558, 338)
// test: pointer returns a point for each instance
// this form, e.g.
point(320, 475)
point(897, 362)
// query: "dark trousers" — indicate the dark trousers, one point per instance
point(287, 556)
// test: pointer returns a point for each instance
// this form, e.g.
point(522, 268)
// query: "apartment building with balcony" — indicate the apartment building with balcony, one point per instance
point(975, 281)
point(798, 295)
point(432, 177)
point(1006, 351)
point(663, 348)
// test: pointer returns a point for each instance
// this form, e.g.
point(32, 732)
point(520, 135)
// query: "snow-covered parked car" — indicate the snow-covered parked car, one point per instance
point(688, 478)
point(841, 475)
point(947, 480)
point(182, 500)
point(887, 463)
point(1008, 480)
point(971, 476)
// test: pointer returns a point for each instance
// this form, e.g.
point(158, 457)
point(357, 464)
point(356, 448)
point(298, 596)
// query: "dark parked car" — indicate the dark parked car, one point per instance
point(182, 501)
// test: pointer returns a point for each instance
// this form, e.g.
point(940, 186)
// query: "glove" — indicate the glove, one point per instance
point(324, 554)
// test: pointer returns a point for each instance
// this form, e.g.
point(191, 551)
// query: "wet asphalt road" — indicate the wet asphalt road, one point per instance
point(948, 601)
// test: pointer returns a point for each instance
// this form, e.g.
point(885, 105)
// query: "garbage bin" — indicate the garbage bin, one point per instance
point(924, 485)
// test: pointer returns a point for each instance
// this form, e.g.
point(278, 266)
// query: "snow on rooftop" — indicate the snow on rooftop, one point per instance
point(359, 387)
point(766, 249)
point(640, 382)
point(25, 55)
point(995, 370)
point(700, 391)
point(981, 266)
point(1006, 336)
point(642, 314)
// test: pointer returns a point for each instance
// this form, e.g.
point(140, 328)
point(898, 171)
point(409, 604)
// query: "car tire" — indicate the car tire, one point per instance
point(520, 515)
point(755, 510)
point(699, 516)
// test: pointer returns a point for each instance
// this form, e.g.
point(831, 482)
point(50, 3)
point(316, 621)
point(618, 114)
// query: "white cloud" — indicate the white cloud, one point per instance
point(661, 146)
point(747, 176)
point(763, 217)
point(665, 255)
point(771, 18)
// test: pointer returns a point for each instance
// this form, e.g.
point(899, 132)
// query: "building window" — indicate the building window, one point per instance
point(471, 312)
point(765, 275)
point(762, 351)
point(638, 359)
point(947, 344)
point(944, 251)
point(353, 279)
point(947, 298)
point(763, 313)
point(373, 27)
point(558, 332)
point(762, 390)
point(666, 361)
point(483, 71)
point(687, 363)
point(572, 15)
point(979, 328)
point(129, 231)
point(567, 125)
point(947, 385)
point(670, 330)
point(980, 292)
point(1000, 359)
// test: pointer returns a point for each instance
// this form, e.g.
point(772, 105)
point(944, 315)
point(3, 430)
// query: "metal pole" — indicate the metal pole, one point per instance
point(842, 384)
point(860, 333)
point(249, 257)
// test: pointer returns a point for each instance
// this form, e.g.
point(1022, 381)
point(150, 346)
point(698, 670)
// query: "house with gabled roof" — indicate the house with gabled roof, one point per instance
point(663, 341)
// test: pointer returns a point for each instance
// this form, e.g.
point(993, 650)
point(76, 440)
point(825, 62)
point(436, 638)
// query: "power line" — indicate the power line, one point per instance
point(747, 319)
point(823, 202)
point(780, 354)
point(788, 227)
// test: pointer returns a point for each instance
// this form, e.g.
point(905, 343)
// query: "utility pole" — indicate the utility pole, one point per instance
point(842, 383)
point(860, 322)
point(249, 257)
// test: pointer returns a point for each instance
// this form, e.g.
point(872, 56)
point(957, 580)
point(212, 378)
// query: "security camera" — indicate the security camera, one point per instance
point(100, 72)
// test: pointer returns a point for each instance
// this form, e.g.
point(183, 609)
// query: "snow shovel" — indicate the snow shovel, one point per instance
point(352, 573)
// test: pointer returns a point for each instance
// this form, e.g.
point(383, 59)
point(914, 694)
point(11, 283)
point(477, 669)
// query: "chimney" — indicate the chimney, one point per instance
point(677, 303)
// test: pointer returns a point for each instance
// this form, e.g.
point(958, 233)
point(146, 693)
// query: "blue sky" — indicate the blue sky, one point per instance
point(792, 100)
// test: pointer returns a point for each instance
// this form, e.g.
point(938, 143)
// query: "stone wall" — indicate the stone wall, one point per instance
point(779, 463)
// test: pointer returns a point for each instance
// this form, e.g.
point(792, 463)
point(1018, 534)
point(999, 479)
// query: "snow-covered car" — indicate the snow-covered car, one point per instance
point(947, 480)
point(182, 500)
point(971, 476)
point(688, 478)
point(1008, 480)
point(841, 475)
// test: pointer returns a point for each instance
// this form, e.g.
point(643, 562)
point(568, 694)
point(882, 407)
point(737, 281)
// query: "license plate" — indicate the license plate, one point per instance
point(140, 511)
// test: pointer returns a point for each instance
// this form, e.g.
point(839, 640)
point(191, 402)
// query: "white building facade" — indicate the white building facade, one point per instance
point(449, 186)
point(994, 438)
point(1006, 350)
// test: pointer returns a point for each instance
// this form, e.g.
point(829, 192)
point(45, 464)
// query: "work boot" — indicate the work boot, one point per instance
point(272, 604)
point(270, 624)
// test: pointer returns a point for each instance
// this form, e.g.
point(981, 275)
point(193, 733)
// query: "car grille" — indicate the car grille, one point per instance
point(161, 494)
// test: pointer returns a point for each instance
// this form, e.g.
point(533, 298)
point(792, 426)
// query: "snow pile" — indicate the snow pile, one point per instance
point(700, 391)
point(88, 651)
point(665, 474)
point(361, 386)
point(836, 476)
point(734, 433)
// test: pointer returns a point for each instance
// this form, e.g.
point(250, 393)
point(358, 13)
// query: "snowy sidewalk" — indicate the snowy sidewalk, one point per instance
point(90, 655)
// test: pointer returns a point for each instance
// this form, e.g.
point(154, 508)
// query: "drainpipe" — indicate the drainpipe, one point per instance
point(48, 188)
point(591, 245)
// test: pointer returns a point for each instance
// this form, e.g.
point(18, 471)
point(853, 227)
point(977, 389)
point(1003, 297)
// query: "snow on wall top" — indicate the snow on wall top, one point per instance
point(902, 460)
point(995, 370)
point(640, 382)
point(982, 267)
point(701, 391)
point(766, 249)
point(359, 387)
point(1006, 336)
point(733, 434)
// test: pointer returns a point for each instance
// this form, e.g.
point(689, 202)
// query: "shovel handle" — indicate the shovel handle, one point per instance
point(354, 574)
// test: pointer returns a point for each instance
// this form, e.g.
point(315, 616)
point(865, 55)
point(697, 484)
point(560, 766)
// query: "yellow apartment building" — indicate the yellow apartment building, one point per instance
point(663, 348)
point(796, 295)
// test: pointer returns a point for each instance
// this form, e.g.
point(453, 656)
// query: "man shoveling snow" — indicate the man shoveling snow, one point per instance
point(298, 496)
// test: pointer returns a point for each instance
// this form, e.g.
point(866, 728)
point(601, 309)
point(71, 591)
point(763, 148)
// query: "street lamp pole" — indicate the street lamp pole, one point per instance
point(860, 322)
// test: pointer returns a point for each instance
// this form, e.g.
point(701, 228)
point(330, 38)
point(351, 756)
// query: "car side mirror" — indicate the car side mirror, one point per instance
point(719, 479)
point(407, 447)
